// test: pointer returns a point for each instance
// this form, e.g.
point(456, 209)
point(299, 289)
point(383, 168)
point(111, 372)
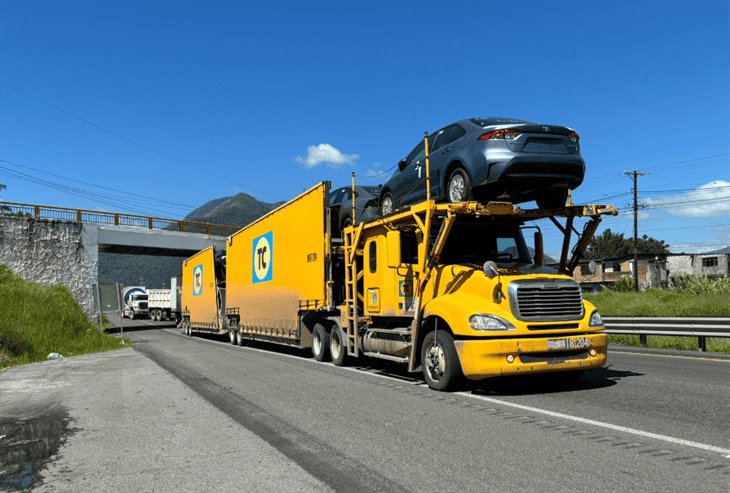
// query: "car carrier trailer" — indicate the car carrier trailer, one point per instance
point(448, 289)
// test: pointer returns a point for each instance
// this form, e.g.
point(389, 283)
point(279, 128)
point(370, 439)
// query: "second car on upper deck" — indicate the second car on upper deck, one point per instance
point(490, 159)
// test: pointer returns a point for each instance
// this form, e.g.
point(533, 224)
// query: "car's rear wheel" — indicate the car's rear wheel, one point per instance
point(386, 204)
point(553, 199)
point(458, 188)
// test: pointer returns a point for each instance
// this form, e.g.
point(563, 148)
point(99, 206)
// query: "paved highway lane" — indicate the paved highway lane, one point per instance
point(359, 430)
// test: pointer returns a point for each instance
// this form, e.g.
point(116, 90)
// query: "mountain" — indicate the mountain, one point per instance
point(237, 210)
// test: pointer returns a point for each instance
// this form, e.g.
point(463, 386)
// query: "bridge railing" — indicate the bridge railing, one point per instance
point(114, 218)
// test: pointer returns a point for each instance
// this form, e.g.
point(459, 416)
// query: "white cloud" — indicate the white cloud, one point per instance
point(711, 199)
point(326, 154)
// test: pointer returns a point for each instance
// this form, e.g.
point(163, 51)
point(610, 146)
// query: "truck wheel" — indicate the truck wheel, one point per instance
point(320, 342)
point(439, 360)
point(232, 337)
point(158, 315)
point(131, 315)
point(338, 346)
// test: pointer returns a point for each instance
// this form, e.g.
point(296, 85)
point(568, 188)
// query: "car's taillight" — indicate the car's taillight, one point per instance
point(574, 137)
point(502, 133)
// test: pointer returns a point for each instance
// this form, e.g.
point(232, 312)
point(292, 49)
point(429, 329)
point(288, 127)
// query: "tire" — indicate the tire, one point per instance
point(553, 199)
point(458, 188)
point(441, 368)
point(338, 346)
point(232, 337)
point(346, 223)
point(132, 315)
point(239, 338)
point(320, 342)
point(387, 204)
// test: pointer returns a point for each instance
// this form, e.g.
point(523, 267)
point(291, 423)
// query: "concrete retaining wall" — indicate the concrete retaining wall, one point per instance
point(52, 252)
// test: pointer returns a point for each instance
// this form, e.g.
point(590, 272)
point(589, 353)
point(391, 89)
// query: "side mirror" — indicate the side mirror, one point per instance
point(490, 269)
point(539, 252)
point(402, 164)
point(393, 250)
point(592, 267)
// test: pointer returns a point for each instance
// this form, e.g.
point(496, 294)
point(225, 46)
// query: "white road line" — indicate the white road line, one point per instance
point(601, 424)
point(675, 356)
point(592, 422)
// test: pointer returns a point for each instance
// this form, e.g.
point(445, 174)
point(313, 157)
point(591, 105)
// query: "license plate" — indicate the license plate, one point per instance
point(566, 344)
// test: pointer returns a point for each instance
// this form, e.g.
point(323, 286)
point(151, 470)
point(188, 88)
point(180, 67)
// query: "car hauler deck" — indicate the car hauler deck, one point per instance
point(449, 289)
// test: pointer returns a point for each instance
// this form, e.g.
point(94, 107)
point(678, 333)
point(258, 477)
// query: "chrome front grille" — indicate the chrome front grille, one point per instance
point(546, 300)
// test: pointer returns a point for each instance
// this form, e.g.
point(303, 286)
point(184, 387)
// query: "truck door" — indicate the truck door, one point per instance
point(389, 291)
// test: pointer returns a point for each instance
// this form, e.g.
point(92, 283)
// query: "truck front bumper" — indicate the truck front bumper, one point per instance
point(496, 357)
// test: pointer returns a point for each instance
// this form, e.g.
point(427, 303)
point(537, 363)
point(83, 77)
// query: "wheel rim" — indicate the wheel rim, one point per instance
point(316, 343)
point(335, 346)
point(387, 204)
point(457, 188)
point(435, 361)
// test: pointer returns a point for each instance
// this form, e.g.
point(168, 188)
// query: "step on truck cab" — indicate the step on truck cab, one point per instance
point(447, 289)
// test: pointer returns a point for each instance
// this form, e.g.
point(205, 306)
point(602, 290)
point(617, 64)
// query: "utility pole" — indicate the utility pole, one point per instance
point(635, 175)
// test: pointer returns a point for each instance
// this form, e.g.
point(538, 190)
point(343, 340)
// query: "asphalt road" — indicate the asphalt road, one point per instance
point(647, 422)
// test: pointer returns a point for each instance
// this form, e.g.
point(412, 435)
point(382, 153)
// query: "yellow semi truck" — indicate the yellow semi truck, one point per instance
point(448, 289)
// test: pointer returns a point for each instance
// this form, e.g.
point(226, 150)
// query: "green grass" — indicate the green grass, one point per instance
point(36, 320)
point(660, 303)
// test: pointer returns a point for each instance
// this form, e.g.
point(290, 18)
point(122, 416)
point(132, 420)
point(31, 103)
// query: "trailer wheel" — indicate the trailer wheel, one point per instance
point(441, 368)
point(338, 346)
point(320, 342)
point(239, 338)
point(232, 337)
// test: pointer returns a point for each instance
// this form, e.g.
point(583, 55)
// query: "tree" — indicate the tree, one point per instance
point(613, 245)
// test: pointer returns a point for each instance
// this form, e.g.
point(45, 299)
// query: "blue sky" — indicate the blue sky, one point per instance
point(181, 102)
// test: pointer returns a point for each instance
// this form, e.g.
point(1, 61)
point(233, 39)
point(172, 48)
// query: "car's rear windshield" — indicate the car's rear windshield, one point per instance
point(488, 122)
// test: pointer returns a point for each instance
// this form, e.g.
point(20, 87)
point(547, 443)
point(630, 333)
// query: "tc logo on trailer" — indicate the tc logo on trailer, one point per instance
point(263, 258)
point(198, 280)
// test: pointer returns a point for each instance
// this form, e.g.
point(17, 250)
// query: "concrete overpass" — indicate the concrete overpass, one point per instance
point(55, 245)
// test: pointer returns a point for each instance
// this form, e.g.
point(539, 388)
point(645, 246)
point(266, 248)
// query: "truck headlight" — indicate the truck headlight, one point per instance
point(489, 322)
point(595, 320)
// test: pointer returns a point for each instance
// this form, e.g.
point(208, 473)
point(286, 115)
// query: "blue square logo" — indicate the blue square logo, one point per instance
point(198, 280)
point(263, 258)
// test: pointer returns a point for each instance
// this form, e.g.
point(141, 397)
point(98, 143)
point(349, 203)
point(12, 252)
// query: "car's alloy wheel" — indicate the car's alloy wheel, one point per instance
point(386, 204)
point(457, 189)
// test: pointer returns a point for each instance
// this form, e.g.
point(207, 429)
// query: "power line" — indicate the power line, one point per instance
point(127, 139)
point(151, 199)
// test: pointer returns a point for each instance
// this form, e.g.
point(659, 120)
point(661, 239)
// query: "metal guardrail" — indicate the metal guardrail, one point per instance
point(114, 218)
point(699, 327)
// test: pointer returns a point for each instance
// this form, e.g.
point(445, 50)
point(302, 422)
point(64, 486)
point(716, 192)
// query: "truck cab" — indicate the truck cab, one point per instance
point(454, 290)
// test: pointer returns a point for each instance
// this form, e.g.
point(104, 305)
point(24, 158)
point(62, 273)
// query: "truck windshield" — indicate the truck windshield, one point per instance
point(141, 297)
point(476, 241)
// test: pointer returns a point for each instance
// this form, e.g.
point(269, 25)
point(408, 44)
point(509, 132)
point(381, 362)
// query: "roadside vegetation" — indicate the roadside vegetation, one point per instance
point(691, 296)
point(37, 320)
